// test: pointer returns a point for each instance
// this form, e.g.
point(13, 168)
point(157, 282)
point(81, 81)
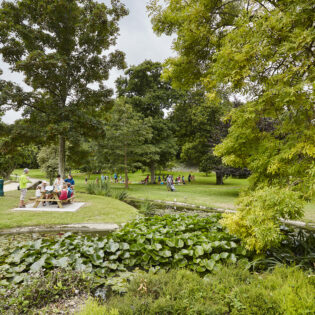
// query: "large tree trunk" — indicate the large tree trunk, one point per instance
point(62, 156)
point(152, 168)
point(126, 169)
point(219, 178)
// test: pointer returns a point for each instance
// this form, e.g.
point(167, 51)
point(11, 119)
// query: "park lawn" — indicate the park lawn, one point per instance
point(202, 192)
point(97, 209)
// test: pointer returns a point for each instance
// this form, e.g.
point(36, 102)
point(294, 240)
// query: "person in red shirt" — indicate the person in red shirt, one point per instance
point(64, 193)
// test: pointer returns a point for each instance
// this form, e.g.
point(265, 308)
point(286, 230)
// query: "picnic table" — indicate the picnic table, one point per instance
point(54, 198)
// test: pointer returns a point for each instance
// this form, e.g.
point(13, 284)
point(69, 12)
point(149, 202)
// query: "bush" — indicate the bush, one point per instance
point(230, 290)
point(100, 189)
point(40, 290)
point(257, 221)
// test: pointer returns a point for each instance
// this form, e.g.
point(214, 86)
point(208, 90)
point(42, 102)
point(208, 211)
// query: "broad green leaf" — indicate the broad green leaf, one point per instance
point(165, 253)
point(224, 255)
point(209, 264)
point(215, 257)
point(112, 247)
point(37, 266)
point(198, 250)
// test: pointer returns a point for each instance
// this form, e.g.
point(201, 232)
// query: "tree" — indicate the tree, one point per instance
point(126, 135)
point(15, 147)
point(48, 160)
point(59, 46)
point(265, 51)
point(149, 95)
point(199, 130)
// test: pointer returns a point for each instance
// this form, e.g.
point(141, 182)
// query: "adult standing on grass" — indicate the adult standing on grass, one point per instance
point(23, 186)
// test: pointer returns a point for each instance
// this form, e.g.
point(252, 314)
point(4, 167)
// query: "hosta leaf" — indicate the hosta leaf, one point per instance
point(170, 243)
point(224, 255)
point(110, 265)
point(200, 269)
point(198, 251)
point(112, 247)
point(179, 243)
point(62, 262)
point(233, 258)
point(156, 246)
point(215, 257)
point(124, 246)
point(209, 264)
point(165, 253)
point(37, 266)
point(181, 263)
point(207, 248)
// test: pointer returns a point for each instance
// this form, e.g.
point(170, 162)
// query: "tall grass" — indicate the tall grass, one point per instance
point(104, 189)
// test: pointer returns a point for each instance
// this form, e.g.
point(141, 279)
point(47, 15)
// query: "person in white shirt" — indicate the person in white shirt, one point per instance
point(58, 183)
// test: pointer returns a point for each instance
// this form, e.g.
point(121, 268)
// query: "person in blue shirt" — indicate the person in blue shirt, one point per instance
point(69, 190)
point(70, 180)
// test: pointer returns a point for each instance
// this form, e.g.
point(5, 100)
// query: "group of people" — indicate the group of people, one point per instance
point(63, 188)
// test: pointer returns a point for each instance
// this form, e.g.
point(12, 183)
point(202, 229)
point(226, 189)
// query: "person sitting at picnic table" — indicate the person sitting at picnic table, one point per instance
point(64, 193)
point(58, 183)
point(70, 191)
point(70, 180)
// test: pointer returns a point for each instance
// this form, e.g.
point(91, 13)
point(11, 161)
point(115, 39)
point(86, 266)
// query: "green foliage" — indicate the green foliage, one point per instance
point(127, 133)
point(162, 242)
point(61, 48)
point(40, 290)
point(257, 220)
point(15, 149)
point(297, 248)
point(104, 189)
point(93, 308)
point(101, 189)
point(149, 95)
point(263, 50)
point(48, 160)
point(229, 290)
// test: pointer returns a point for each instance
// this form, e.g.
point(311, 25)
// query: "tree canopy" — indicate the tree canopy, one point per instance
point(60, 46)
point(150, 96)
point(264, 51)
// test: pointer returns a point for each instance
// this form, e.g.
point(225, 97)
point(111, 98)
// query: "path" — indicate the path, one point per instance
point(82, 227)
point(13, 186)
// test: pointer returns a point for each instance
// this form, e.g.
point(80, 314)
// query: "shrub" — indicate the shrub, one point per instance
point(257, 221)
point(121, 195)
point(39, 290)
point(229, 290)
point(101, 189)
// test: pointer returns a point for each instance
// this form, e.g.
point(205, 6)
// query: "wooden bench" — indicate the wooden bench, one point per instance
point(54, 199)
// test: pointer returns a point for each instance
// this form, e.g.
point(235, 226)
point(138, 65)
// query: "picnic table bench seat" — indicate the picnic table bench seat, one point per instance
point(54, 199)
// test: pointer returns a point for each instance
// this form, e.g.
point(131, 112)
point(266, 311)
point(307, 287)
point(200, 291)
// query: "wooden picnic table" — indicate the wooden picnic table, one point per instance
point(55, 198)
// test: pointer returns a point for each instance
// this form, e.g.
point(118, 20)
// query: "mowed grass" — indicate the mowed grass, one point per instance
point(97, 209)
point(203, 191)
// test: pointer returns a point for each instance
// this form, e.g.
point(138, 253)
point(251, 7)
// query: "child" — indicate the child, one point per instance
point(70, 191)
point(64, 193)
point(38, 192)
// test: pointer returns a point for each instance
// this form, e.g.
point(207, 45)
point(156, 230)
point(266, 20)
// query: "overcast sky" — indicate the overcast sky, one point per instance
point(136, 39)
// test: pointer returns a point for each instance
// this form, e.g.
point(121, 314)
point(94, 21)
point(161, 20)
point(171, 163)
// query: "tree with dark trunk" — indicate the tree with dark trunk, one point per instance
point(60, 47)
point(149, 95)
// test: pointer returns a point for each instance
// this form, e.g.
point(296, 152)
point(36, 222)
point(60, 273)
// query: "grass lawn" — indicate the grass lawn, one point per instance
point(97, 209)
point(202, 192)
